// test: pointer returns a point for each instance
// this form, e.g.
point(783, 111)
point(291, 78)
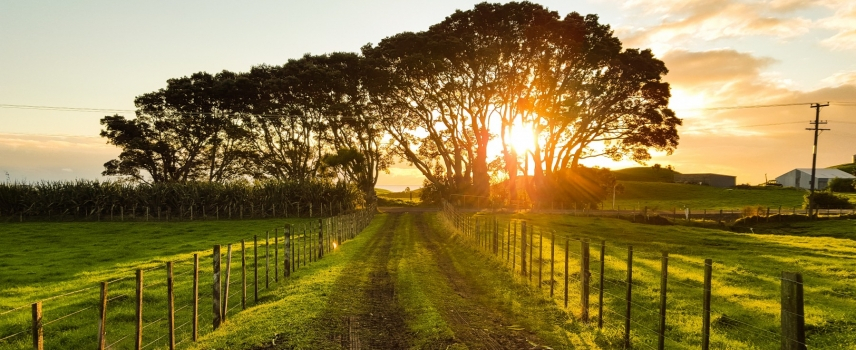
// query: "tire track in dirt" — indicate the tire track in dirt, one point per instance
point(362, 312)
point(476, 325)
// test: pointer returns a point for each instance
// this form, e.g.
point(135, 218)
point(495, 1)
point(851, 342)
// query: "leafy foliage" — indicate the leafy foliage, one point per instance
point(827, 200)
point(842, 185)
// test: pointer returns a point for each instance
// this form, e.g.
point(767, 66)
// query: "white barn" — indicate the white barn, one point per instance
point(801, 178)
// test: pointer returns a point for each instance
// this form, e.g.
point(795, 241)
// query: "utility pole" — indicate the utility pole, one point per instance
point(816, 123)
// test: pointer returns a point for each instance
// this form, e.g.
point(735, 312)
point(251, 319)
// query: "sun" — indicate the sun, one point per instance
point(521, 138)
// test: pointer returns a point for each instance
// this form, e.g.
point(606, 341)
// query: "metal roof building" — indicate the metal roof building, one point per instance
point(801, 177)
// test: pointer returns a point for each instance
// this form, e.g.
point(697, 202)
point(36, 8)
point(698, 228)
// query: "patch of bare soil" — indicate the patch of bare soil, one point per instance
point(475, 325)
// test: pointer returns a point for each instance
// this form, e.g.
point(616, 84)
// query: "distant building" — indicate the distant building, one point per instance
point(801, 178)
point(715, 180)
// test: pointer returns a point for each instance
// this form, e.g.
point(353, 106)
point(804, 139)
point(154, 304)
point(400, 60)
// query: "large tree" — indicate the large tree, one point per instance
point(567, 81)
point(186, 131)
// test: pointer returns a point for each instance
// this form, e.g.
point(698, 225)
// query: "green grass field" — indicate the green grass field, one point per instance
point(746, 280)
point(54, 259)
point(665, 196)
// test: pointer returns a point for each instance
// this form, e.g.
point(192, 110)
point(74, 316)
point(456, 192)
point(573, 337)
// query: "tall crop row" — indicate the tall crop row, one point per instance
point(96, 200)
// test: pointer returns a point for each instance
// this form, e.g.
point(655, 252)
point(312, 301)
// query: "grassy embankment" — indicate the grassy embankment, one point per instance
point(746, 281)
point(53, 259)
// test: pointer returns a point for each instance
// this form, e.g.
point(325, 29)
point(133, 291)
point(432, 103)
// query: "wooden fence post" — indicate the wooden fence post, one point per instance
point(227, 282)
point(243, 275)
point(523, 270)
point(600, 286)
point(276, 255)
point(320, 239)
point(793, 313)
point(705, 322)
point(628, 297)
point(255, 269)
point(102, 325)
point(286, 233)
point(138, 341)
point(540, 258)
point(664, 275)
point(170, 297)
point(552, 261)
point(513, 251)
point(215, 295)
point(567, 271)
point(584, 280)
point(267, 260)
point(531, 252)
point(38, 327)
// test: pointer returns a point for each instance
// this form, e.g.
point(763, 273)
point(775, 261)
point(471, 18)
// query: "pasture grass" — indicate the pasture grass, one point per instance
point(52, 259)
point(660, 196)
point(746, 281)
point(294, 304)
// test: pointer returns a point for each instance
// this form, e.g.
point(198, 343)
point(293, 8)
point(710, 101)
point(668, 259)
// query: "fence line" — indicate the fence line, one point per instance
point(327, 234)
point(515, 240)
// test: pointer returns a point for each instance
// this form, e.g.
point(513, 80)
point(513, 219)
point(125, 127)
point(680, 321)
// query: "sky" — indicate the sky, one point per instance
point(98, 55)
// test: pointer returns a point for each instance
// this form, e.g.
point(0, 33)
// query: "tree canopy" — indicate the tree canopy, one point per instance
point(454, 101)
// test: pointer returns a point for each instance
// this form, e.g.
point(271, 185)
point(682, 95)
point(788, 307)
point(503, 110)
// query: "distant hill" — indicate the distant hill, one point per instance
point(645, 174)
point(849, 168)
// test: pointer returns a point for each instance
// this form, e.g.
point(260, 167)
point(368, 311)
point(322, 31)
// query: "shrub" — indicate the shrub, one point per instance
point(824, 200)
point(842, 185)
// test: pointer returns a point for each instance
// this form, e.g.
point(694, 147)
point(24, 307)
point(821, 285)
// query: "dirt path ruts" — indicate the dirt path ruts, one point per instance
point(474, 324)
point(362, 312)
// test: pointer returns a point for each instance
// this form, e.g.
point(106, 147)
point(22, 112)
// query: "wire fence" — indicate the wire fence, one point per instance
point(655, 300)
point(175, 303)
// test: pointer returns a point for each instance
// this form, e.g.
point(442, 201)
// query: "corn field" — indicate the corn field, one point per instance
point(95, 200)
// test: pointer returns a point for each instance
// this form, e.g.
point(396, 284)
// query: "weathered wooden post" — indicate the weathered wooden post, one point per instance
point(628, 297)
point(255, 269)
point(567, 270)
point(664, 275)
point(584, 280)
point(552, 261)
point(38, 327)
point(276, 255)
point(138, 341)
point(705, 322)
point(267, 260)
point(286, 233)
point(540, 257)
point(523, 270)
point(227, 283)
point(215, 295)
point(102, 325)
point(600, 286)
point(170, 296)
point(793, 312)
point(243, 275)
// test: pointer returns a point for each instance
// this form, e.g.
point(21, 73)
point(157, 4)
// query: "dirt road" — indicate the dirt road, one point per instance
point(412, 289)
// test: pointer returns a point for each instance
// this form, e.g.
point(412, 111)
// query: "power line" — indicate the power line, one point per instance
point(744, 126)
point(744, 107)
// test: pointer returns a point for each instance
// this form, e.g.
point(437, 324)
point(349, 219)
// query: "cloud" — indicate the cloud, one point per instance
point(685, 21)
point(751, 142)
point(841, 78)
point(724, 77)
point(53, 157)
point(844, 22)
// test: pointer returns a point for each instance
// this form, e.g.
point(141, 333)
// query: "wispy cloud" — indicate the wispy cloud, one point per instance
point(685, 21)
point(844, 22)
